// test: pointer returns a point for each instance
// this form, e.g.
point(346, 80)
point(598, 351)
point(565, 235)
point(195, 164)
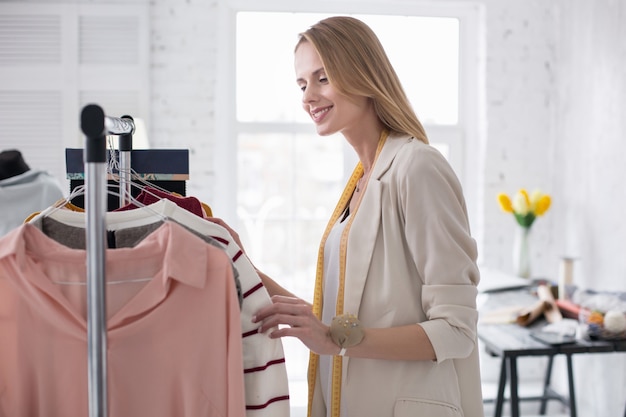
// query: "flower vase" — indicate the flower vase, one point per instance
point(521, 252)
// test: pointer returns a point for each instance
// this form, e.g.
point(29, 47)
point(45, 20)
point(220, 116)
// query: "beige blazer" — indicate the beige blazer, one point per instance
point(411, 259)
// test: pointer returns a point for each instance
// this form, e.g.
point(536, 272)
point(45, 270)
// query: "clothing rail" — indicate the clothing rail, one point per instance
point(124, 127)
point(119, 125)
point(95, 125)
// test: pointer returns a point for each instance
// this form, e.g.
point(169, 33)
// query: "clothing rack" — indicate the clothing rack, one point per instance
point(124, 127)
point(166, 169)
point(96, 125)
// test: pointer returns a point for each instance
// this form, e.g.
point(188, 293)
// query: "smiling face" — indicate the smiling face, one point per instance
point(330, 110)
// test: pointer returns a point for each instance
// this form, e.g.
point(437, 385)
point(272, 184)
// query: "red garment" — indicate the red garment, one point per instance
point(151, 195)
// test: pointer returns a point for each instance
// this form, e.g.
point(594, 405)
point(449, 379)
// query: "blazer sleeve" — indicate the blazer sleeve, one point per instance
point(438, 236)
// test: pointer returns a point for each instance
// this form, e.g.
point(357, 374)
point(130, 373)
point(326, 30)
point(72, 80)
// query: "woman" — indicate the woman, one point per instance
point(392, 328)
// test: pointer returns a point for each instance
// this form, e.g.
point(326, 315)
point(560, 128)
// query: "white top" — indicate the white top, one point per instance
point(25, 194)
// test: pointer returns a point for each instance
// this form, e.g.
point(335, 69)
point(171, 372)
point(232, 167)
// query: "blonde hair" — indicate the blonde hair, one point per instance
point(356, 64)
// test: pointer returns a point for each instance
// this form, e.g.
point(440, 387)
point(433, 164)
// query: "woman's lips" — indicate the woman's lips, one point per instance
point(318, 114)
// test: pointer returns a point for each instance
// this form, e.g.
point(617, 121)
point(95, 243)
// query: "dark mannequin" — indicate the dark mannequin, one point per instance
point(12, 163)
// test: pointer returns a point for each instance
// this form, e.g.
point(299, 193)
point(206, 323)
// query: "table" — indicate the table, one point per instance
point(511, 341)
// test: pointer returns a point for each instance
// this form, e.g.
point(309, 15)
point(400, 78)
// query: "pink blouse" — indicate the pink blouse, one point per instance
point(173, 333)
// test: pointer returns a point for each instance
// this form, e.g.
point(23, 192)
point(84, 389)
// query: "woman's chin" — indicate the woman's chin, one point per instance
point(324, 130)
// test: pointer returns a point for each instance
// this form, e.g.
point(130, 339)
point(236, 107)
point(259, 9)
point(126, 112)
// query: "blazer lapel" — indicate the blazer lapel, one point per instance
point(364, 230)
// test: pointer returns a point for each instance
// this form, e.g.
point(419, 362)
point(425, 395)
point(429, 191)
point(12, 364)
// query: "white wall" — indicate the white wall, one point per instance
point(591, 128)
point(588, 173)
point(184, 50)
point(520, 85)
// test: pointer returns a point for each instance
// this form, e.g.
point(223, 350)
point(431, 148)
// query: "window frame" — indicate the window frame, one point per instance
point(462, 138)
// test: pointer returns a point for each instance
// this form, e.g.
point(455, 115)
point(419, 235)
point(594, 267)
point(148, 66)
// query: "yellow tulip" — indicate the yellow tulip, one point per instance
point(523, 192)
point(543, 205)
point(534, 199)
point(524, 207)
point(505, 203)
point(521, 203)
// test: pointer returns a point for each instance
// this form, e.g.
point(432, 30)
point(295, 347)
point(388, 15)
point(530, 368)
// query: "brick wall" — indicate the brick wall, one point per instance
point(184, 44)
point(520, 85)
point(588, 174)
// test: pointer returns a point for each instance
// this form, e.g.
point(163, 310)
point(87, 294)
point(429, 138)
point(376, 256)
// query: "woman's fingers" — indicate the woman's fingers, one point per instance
point(285, 299)
point(229, 229)
point(277, 320)
point(286, 311)
point(282, 305)
point(291, 316)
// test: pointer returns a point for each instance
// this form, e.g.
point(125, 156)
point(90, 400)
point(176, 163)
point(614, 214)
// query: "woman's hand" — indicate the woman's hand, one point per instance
point(272, 287)
point(230, 230)
point(294, 317)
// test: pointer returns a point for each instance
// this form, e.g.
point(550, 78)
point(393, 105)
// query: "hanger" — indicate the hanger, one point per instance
point(59, 205)
point(114, 166)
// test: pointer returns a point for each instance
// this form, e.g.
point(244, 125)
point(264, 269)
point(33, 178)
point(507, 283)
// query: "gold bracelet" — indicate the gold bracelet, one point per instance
point(346, 331)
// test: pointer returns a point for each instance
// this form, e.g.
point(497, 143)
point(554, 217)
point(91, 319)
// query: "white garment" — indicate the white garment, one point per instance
point(25, 194)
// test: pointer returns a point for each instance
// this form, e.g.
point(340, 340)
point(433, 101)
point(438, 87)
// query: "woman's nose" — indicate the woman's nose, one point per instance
point(309, 94)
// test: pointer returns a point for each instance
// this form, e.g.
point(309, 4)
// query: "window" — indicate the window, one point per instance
point(287, 178)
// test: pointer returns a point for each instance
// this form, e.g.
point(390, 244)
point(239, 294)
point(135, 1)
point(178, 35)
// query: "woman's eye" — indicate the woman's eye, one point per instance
point(323, 80)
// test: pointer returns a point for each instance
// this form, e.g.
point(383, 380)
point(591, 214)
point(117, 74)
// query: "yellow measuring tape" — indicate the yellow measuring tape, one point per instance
point(344, 200)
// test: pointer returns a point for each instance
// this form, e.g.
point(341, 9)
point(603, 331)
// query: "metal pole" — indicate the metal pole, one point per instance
point(124, 178)
point(119, 125)
point(124, 127)
point(93, 126)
